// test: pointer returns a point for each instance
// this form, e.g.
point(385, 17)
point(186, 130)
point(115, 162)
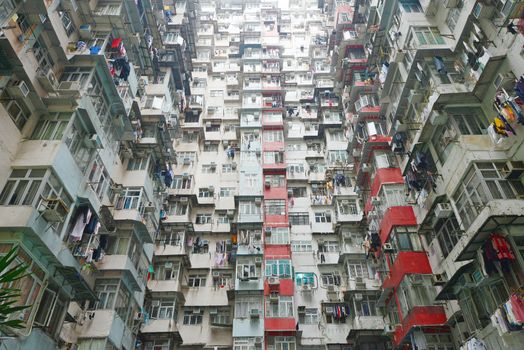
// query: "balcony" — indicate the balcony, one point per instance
point(156, 326)
point(420, 316)
point(107, 324)
point(122, 263)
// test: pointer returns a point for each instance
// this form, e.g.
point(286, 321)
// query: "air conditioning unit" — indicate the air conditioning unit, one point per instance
point(366, 168)
point(18, 89)
point(216, 273)
point(254, 313)
point(258, 200)
point(513, 170)
point(372, 214)
point(185, 176)
point(290, 193)
point(359, 280)
point(375, 200)
point(48, 80)
point(197, 311)
point(389, 328)
point(231, 213)
point(443, 210)
point(503, 79)
point(93, 141)
point(184, 200)
point(331, 288)
point(259, 340)
point(416, 279)
point(155, 303)
point(301, 309)
point(328, 310)
point(388, 248)
point(225, 143)
point(139, 316)
point(186, 161)
point(307, 287)
point(211, 189)
point(267, 231)
point(213, 311)
point(267, 183)
point(273, 281)
point(53, 209)
point(149, 208)
point(258, 261)
point(85, 31)
point(439, 279)
point(234, 165)
point(358, 296)
point(438, 118)
point(273, 297)
point(117, 189)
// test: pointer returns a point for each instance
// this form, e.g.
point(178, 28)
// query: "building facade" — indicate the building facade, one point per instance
point(263, 174)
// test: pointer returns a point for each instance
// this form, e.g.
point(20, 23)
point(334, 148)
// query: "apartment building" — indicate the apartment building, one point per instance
point(89, 110)
point(426, 86)
point(263, 174)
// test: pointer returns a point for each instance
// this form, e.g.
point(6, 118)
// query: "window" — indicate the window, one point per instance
point(157, 345)
point(273, 136)
point(411, 6)
point(295, 169)
point(482, 183)
point(338, 156)
point(81, 75)
point(305, 279)
point(227, 168)
point(282, 308)
point(299, 218)
point(405, 239)
point(211, 146)
point(276, 180)
point(347, 206)
point(170, 238)
point(328, 247)
point(132, 198)
point(182, 182)
point(75, 143)
point(273, 157)
point(309, 316)
point(331, 279)
point(367, 306)
point(22, 187)
point(196, 281)
point(301, 246)
point(51, 127)
point(227, 191)
point(51, 312)
point(243, 305)
point(222, 219)
point(278, 268)
point(279, 235)
point(163, 309)
point(166, 270)
point(192, 317)
point(67, 23)
point(216, 93)
point(209, 168)
point(137, 163)
point(248, 208)
point(298, 192)
point(246, 269)
point(221, 316)
point(357, 270)
point(323, 217)
point(185, 157)
point(106, 291)
point(281, 343)
point(453, 15)
point(177, 208)
point(18, 111)
point(99, 178)
point(426, 36)
point(332, 315)
point(202, 219)
point(448, 233)
point(205, 193)
point(275, 207)
point(45, 62)
point(189, 137)
point(337, 136)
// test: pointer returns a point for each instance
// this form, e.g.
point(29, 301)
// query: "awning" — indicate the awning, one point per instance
point(78, 283)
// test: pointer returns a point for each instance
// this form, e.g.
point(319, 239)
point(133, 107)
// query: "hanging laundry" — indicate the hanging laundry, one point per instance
point(501, 247)
point(82, 218)
point(517, 304)
point(91, 226)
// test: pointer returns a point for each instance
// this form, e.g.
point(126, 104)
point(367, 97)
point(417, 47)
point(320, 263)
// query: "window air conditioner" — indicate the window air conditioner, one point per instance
point(18, 89)
point(443, 210)
point(439, 279)
point(375, 200)
point(358, 296)
point(388, 248)
point(53, 209)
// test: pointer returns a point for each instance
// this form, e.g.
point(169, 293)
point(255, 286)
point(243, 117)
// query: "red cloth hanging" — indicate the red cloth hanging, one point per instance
point(116, 42)
point(502, 247)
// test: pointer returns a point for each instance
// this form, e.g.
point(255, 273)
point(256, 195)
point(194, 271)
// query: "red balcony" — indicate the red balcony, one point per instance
point(396, 216)
point(407, 263)
point(385, 176)
point(277, 251)
point(420, 316)
point(275, 193)
point(285, 327)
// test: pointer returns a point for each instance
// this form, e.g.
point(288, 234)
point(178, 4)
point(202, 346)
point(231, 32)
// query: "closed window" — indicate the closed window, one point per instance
point(309, 316)
point(357, 270)
point(426, 36)
point(278, 268)
point(202, 219)
point(299, 218)
point(51, 127)
point(163, 309)
point(281, 308)
point(279, 235)
point(18, 112)
point(244, 305)
point(275, 207)
point(301, 246)
point(196, 281)
point(192, 317)
point(323, 217)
